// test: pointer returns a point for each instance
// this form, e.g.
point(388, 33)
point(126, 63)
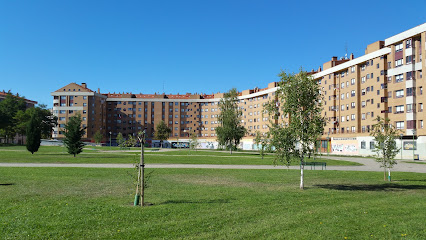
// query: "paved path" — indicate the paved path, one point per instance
point(369, 165)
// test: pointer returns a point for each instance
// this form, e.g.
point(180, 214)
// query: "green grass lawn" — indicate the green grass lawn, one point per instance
point(416, 162)
point(18, 154)
point(75, 203)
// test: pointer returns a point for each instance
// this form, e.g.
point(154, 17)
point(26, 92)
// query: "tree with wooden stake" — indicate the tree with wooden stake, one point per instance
point(298, 98)
point(140, 186)
point(385, 145)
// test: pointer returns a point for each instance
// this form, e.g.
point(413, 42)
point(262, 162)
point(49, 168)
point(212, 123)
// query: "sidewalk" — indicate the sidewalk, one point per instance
point(368, 165)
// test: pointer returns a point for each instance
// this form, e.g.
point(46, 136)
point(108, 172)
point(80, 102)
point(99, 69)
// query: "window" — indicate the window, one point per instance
point(363, 142)
point(371, 145)
point(409, 75)
point(420, 107)
point(363, 116)
point(408, 43)
point(399, 93)
point(398, 47)
point(409, 108)
point(409, 59)
point(353, 69)
point(353, 129)
point(353, 93)
point(378, 65)
point(400, 125)
point(399, 109)
point(363, 80)
point(62, 119)
point(353, 81)
point(352, 104)
point(421, 124)
point(398, 62)
point(84, 104)
point(363, 104)
point(421, 90)
point(410, 92)
point(353, 117)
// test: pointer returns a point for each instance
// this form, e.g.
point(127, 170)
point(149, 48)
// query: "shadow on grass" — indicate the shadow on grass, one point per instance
point(6, 184)
point(371, 187)
point(196, 201)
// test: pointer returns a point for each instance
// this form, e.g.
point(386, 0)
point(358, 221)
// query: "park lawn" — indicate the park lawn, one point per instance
point(416, 162)
point(59, 155)
point(76, 203)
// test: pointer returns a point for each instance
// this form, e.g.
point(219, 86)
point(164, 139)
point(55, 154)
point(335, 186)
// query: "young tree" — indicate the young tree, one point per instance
point(262, 142)
point(230, 131)
point(120, 140)
point(193, 142)
point(73, 134)
point(299, 98)
point(385, 146)
point(131, 141)
point(162, 132)
point(33, 133)
point(98, 137)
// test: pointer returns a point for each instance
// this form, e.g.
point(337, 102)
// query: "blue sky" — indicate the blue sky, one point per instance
point(183, 46)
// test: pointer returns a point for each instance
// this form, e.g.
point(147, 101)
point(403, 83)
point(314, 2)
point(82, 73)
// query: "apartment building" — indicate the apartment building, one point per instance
point(387, 81)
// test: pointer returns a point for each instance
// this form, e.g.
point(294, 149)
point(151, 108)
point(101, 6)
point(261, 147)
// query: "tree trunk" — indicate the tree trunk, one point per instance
point(302, 166)
point(384, 173)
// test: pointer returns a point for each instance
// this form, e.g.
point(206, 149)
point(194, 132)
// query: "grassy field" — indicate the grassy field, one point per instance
point(19, 154)
point(63, 203)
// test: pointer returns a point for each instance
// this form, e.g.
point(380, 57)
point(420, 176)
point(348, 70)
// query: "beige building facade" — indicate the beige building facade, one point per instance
point(387, 81)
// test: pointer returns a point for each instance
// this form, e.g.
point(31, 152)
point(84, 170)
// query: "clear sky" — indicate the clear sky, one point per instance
point(197, 46)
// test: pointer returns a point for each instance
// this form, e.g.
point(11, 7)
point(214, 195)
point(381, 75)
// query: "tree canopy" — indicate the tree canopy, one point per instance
point(162, 132)
point(385, 145)
point(298, 98)
point(230, 131)
point(73, 135)
point(33, 133)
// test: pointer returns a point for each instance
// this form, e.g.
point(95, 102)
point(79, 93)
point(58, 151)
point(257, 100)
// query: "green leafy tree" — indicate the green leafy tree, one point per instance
point(73, 135)
point(385, 145)
point(131, 141)
point(261, 141)
point(98, 137)
point(230, 131)
point(46, 120)
point(9, 108)
point(162, 132)
point(193, 141)
point(33, 133)
point(120, 140)
point(299, 98)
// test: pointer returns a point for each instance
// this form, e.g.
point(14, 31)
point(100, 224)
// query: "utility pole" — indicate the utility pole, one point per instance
point(140, 187)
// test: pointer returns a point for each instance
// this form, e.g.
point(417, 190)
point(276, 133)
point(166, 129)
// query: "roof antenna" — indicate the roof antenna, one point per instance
point(163, 87)
point(346, 50)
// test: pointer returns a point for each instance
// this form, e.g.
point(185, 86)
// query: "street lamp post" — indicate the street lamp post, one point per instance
point(110, 133)
point(401, 144)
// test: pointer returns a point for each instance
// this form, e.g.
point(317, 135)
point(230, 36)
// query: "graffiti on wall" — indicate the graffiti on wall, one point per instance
point(349, 146)
point(410, 145)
